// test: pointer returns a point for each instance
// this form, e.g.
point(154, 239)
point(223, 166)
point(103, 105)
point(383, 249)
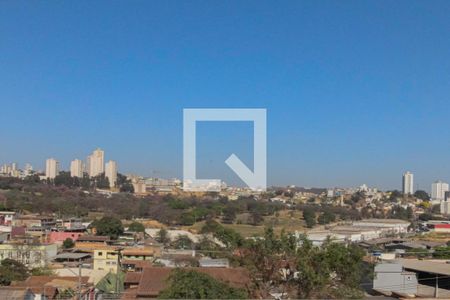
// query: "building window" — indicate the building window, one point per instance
point(100, 253)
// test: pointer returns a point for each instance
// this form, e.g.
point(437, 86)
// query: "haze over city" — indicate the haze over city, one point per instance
point(355, 92)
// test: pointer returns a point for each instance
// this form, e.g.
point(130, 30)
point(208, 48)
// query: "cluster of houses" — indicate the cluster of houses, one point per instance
point(135, 265)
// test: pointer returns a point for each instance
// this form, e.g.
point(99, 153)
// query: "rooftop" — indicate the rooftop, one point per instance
point(383, 221)
point(70, 255)
point(433, 267)
point(93, 238)
point(154, 279)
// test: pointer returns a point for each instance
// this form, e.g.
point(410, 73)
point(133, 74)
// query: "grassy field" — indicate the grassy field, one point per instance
point(434, 236)
point(290, 221)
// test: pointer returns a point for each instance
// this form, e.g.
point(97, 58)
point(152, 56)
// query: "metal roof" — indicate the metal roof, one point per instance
point(69, 255)
point(427, 266)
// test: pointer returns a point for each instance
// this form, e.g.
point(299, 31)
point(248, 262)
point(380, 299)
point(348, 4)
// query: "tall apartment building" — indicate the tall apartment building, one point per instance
point(408, 183)
point(96, 163)
point(76, 168)
point(51, 168)
point(438, 190)
point(111, 172)
point(445, 204)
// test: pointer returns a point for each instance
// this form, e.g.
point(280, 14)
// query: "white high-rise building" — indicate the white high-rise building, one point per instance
point(408, 183)
point(111, 173)
point(51, 168)
point(445, 204)
point(438, 190)
point(76, 168)
point(96, 163)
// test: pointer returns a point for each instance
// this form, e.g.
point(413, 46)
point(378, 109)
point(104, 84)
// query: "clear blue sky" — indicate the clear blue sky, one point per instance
point(356, 91)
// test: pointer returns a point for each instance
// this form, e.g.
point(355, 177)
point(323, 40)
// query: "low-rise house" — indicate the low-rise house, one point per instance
point(29, 221)
point(135, 265)
point(70, 224)
point(132, 280)
point(155, 279)
point(89, 243)
point(72, 259)
point(106, 259)
point(140, 253)
point(60, 236)
point(7, 217)
point(31, 255)
point(56, 287)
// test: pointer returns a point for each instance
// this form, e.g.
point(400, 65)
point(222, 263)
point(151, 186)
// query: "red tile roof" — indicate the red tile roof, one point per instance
point(154, 279)
point(137, 263)
point(48, 285)
point(133, 277)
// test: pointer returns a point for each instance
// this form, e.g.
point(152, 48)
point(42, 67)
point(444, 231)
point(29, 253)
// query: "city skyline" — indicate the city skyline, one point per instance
point(76, 166)
point(348, 101)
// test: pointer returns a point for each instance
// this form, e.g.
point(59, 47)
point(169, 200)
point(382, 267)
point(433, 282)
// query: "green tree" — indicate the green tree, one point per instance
point(177, 204)
point(85, 182)
point(187, 219)
point(68, 243)
point(124, 184)
point(420, 194)
point(183, 242)
point(189, 284)
point(229, 215)
point(101, 181)
point(425, 217)
point(163, 236)
point(395, 195)
point(229, 237)
point(11, 270)
point(209, 248)
point(442, 252)
point(136, 227)
point(300, 269)
point(326, 218)
point(64, 178)
point(256, 218)
point(109, 226)
point(310, 217)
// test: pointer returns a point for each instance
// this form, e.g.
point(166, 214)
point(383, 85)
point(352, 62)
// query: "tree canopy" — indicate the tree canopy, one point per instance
point(136, 227)
point(420, 194)
point(108, 226)
point(189, 284)
point(11, 270)
point(330, 271)
point(68, 243)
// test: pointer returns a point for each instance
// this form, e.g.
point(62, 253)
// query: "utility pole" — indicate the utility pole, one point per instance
point(436, 292)
point(79, 279)
point(117, 271)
